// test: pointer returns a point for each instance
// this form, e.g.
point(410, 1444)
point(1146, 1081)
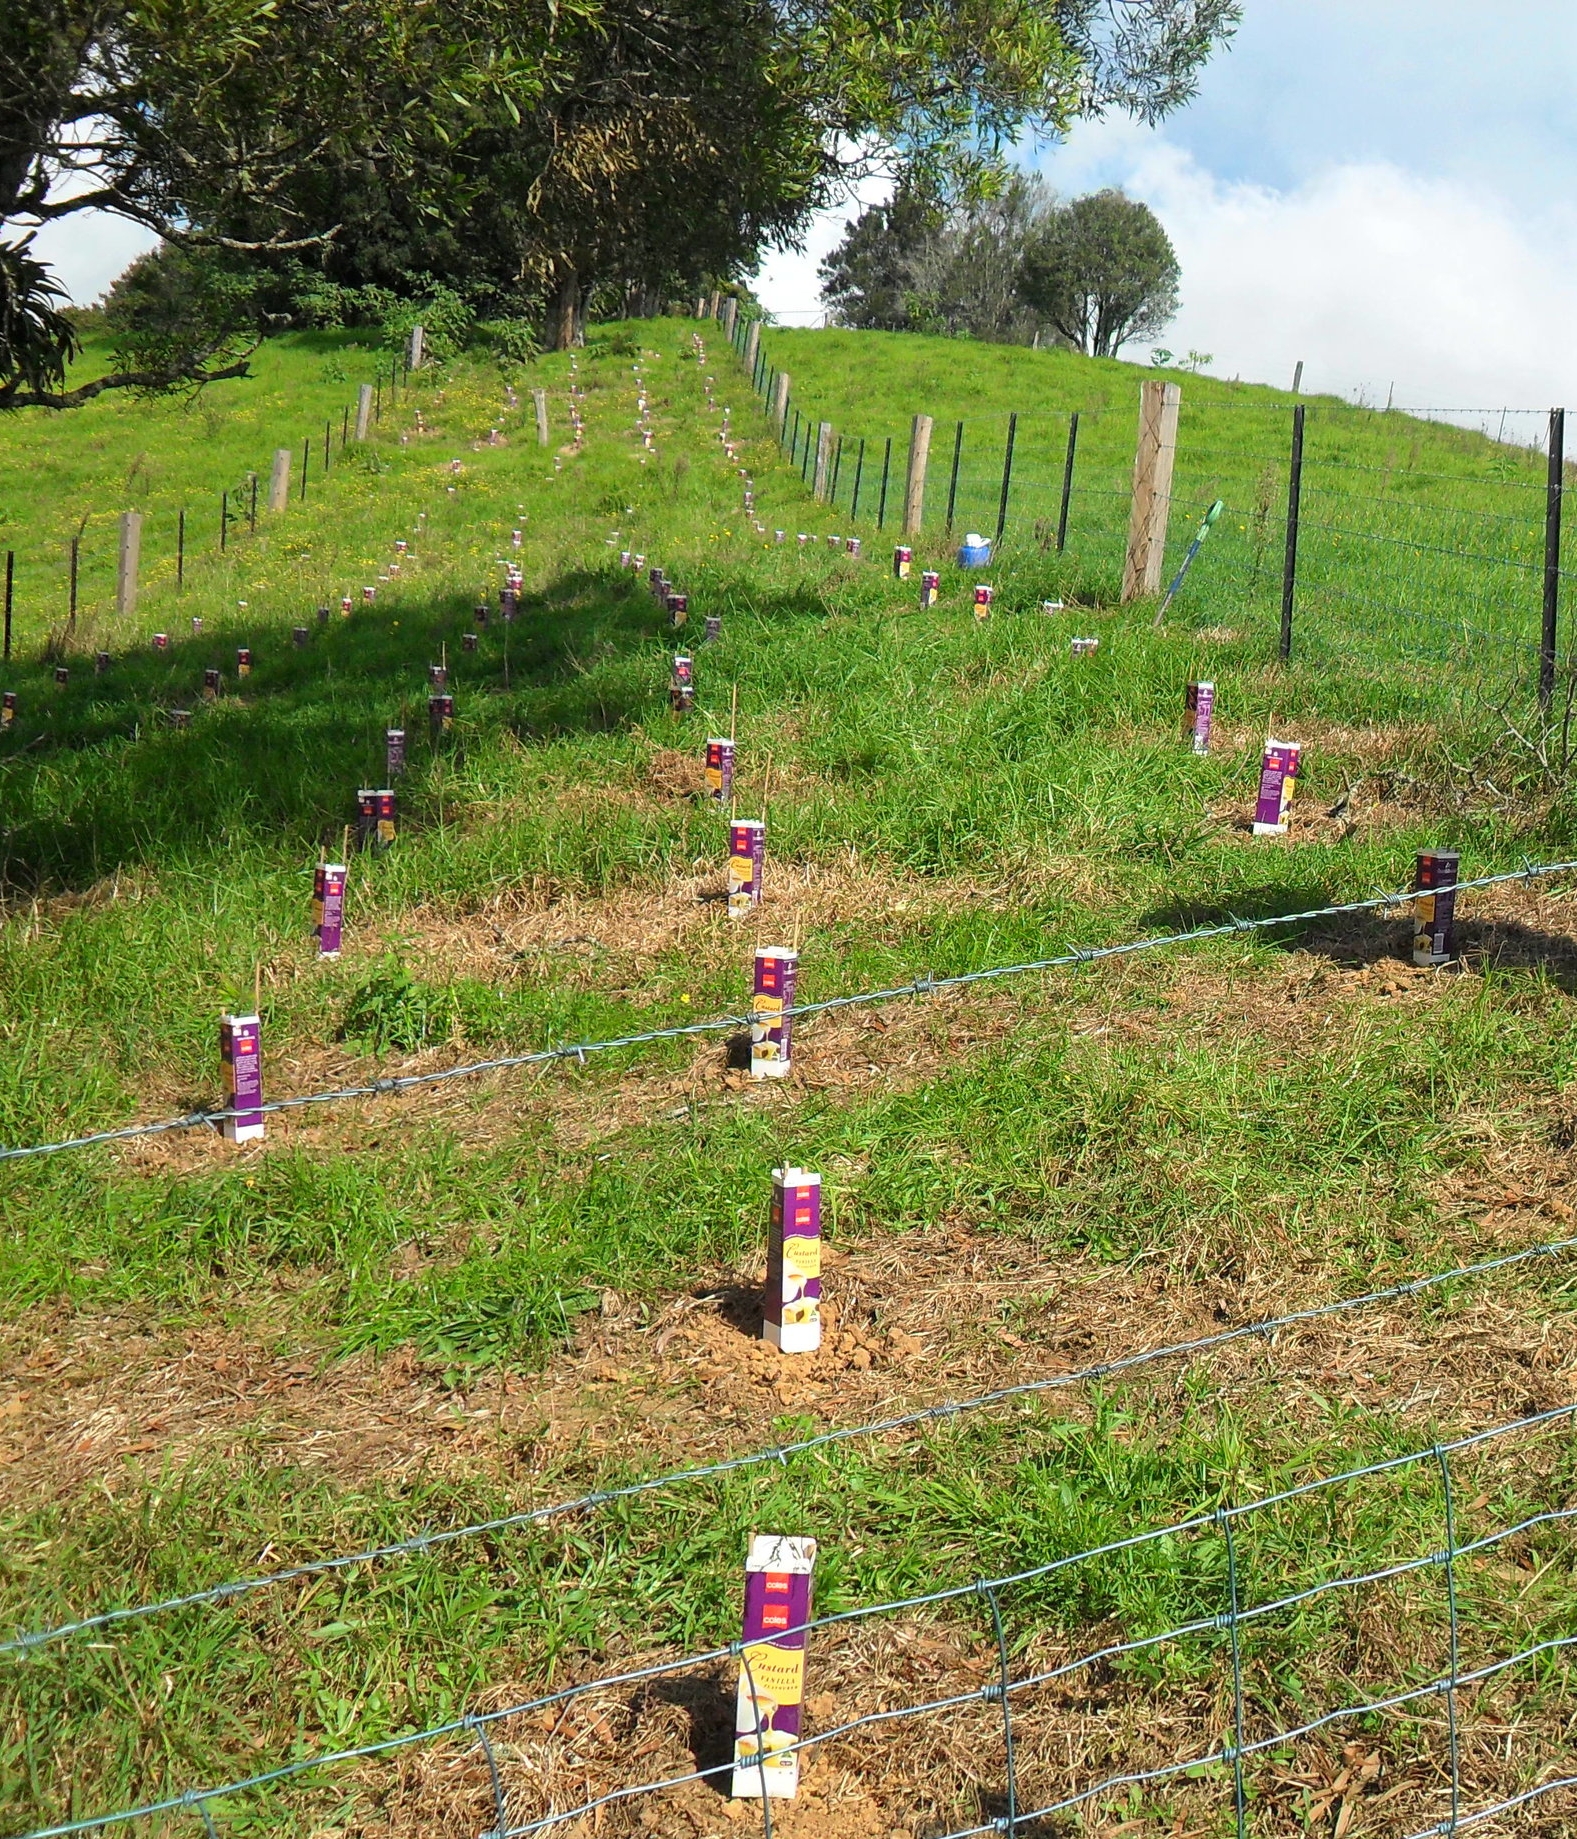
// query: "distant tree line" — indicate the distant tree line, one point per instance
point(519, 164)
point(1016, 266)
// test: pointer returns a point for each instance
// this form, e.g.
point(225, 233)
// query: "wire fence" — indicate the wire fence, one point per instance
point(1227, 1656)
point(66, 568)
point(929, 985)
point(1265, 1328)
point(1452, 549)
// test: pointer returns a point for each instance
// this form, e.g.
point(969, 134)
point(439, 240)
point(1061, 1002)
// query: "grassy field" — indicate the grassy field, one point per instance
point(1421, 541)
point(421, 1310)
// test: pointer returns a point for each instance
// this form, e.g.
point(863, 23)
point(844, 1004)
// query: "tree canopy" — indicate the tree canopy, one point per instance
point(1103, 271)
point(528, 150)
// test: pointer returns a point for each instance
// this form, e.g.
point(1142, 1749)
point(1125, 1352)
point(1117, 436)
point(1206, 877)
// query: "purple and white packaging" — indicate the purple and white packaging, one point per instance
point(508, 602)
point(792, 1318)
point(468, 641)
point(368, 593)
point(437, 676)
point(678, 609)
point(180, 718)
point(1199, 704)
point(386, 819)
point(720, 769)
point(1278, 781)
point(393, 752)
point(197, 625)
point(243, 660)
point(1435, 906)
point(241, 1050)
point(161, 641)
point(854, 547)
point(7, 708)
point(101, 663)
point(440, 716)
point(983, 597)
point(211, 684)
point(769, 1710)
point(779, 535)
point(714, 629)
point(930, 587)
point(1084, 648)
point(771, 1028)
point(747, 855)
point(328, 907)
point(480, 615)
point(903, 561)
point(63, 673)
point(681, 684)
point(299, 637)
point(344, 607)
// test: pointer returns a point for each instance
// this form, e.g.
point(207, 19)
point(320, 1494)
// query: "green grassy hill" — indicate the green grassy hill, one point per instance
point(428, 1307)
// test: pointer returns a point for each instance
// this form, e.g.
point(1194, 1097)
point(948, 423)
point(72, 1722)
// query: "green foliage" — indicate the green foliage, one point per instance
point(514, 340)
point(391, 1012)
point(1102, 271)
point(37, 338)
point(176, 310)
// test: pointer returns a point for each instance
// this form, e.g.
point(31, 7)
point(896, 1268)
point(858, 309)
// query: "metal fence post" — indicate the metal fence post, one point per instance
point(1067, 481)
point(1554, 492)
point(881, 507)
point(859, 473)
point(1289, 572)
point(71, 591)
point(1007, 475)
point(180, 556)
point(224, 521)
point(952, 482)
point(837, 468)
point(10, 592)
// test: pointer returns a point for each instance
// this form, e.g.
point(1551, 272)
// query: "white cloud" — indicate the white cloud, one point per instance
point(87, 252)
point(786, 283)
point(1373, 275)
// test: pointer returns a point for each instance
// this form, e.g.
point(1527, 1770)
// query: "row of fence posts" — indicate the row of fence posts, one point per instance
point(128, 556)
point(1160, 404)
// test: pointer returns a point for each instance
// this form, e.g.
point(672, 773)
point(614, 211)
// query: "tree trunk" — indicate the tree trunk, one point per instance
point(566, 325)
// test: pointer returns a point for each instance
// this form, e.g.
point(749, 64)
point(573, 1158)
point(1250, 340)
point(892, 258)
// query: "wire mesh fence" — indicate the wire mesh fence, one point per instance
point(1200, 1668)
point(1425, 537)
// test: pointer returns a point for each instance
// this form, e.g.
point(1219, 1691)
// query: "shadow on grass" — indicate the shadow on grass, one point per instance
point(95, 776)
point(1356, 940)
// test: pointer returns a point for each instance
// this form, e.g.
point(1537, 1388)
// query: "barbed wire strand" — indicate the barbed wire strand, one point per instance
point(927, 1414)
point(920, 986)
point(473, 1721)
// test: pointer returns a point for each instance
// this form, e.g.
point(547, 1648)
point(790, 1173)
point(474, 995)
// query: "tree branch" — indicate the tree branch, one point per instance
point(195, 375)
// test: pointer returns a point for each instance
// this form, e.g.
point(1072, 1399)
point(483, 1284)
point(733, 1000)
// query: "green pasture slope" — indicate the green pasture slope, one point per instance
point(1421, 542)
point(1019, 800)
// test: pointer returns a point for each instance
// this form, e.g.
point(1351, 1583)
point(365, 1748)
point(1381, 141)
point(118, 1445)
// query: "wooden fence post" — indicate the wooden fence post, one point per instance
point(540, 398)
point(729, 315)
point(418, 348)
point(127, 562)
point(279, 483)
point(363, 411)
point(914, 486)
point(752, 345)
point(1152, 487)
point(823, 459)
point(779, 408)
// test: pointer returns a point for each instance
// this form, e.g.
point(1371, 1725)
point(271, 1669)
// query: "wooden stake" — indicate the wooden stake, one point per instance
point(257, 988)
point(733, 713)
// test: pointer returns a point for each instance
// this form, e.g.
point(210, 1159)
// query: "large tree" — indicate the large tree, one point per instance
point(549, 143)
point(202, 119)
point(1102, 271)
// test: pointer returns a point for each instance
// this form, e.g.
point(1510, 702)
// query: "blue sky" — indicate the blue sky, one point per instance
point(1387, 190)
